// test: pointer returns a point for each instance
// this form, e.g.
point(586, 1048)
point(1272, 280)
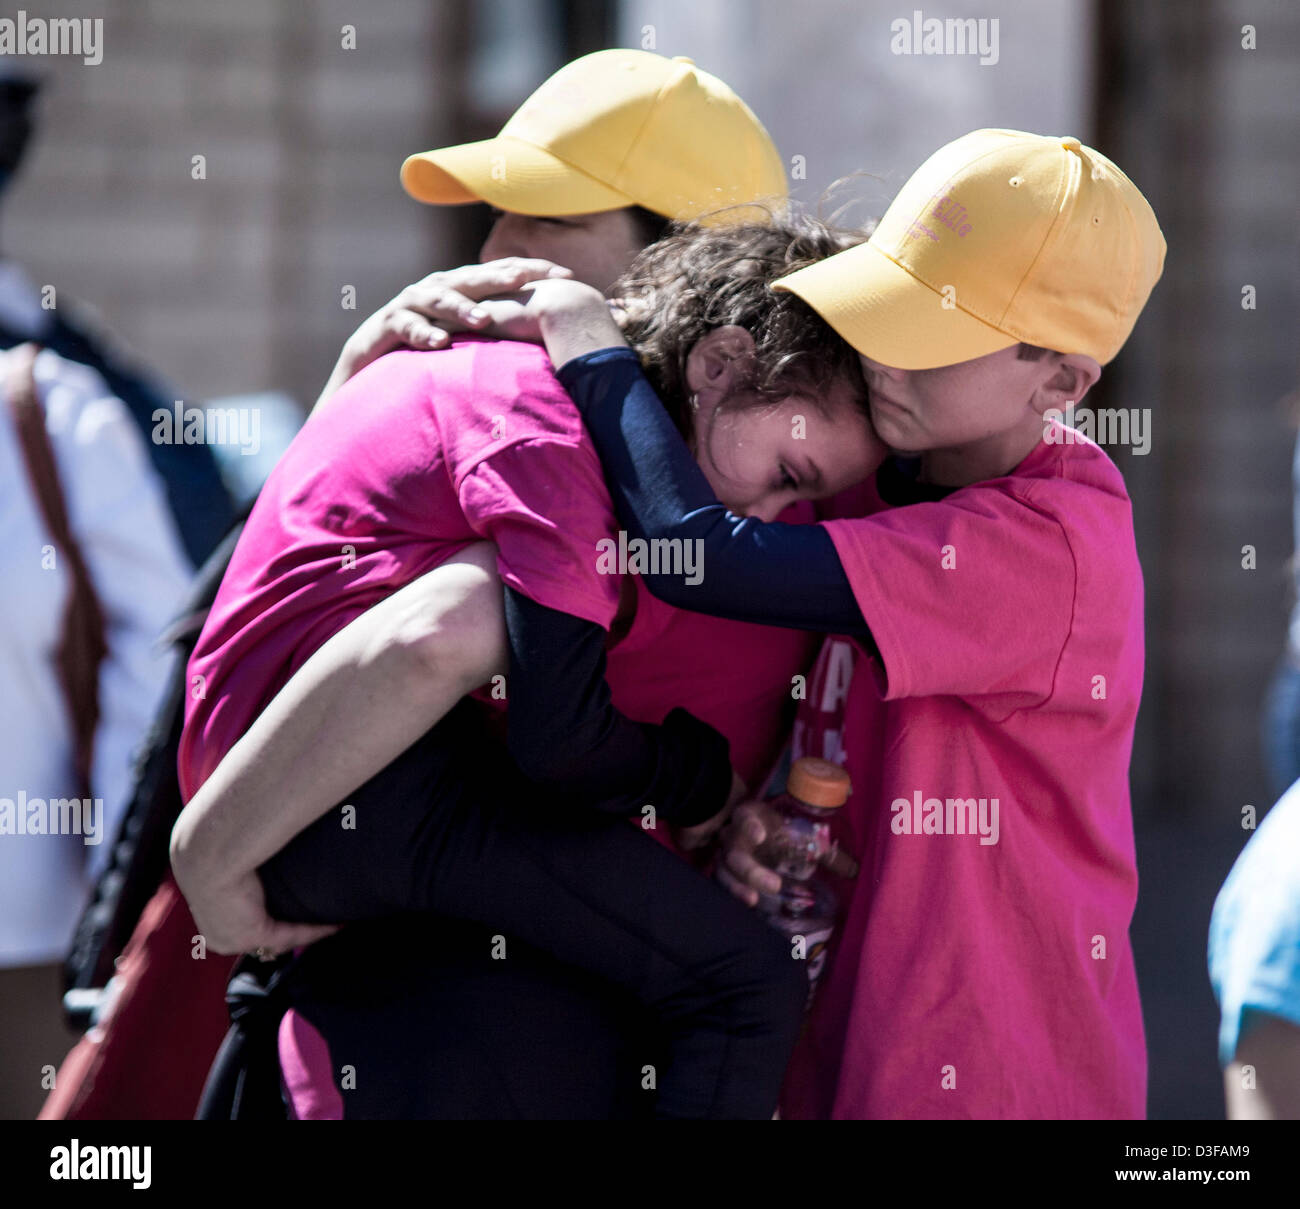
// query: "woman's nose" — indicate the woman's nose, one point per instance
point(874, 371)
point(494, 248)
point(500, 242)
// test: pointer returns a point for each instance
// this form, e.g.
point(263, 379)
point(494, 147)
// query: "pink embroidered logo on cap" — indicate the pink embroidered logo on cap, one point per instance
point(952, 214)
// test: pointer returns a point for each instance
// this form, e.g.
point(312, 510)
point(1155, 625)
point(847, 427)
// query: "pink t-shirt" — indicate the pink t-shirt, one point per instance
point(416, 457)
point(982, 967)
point(422, 454)
point(737, 677)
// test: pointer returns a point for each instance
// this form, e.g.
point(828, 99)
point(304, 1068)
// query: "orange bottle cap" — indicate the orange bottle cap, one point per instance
point(819, 782)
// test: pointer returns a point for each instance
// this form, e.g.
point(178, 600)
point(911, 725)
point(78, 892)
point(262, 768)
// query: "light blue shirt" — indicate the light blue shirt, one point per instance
point(1293, 630)
point(1255, 929)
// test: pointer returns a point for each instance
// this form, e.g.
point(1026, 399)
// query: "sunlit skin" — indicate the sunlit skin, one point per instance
point(761, 456)
point(596, 248)
point(976, 419)
point(747, 448)
point(1271, 1049)
point(757, 459)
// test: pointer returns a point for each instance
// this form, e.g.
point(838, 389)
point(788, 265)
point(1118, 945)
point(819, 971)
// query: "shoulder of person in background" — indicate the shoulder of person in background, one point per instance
point(89, 427)
point(1254, 964)
point(118, 515)
point(116, 499)
point(197, 496)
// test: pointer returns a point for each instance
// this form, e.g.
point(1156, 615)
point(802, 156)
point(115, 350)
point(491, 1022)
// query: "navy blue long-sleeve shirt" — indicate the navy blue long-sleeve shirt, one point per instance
point(765, 572)
point(565, 734)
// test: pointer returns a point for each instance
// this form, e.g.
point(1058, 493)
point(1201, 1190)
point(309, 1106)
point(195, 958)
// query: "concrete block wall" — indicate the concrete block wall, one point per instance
point(1209, 127)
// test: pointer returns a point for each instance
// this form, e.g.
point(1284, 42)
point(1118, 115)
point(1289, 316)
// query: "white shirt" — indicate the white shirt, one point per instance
point(118, 513)
point(20, 302)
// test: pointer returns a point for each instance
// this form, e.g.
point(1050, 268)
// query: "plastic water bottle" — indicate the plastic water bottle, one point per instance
point(805, 907)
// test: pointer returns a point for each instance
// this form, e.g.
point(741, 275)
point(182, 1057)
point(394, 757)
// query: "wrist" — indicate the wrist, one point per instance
point(713, 781)
point(559, 298)
point(575, 319)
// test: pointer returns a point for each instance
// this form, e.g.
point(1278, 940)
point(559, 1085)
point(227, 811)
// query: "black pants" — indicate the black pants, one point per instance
point(450, 832)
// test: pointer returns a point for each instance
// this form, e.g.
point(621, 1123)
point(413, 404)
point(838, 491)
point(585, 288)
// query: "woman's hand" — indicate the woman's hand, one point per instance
point(744, 862)
point(232, 918)
point(428, 312)
point(570, 318)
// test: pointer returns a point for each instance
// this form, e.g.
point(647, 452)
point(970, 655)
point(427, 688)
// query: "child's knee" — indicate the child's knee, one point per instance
point(772, 979)
point(789, 971)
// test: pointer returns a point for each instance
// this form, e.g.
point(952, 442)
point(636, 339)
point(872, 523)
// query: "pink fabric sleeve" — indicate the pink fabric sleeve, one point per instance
point(970, 596)
point(306, 1071)
point(545, 505)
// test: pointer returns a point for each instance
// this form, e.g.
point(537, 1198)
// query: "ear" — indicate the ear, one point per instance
point(1070, 377)
point(717, 361)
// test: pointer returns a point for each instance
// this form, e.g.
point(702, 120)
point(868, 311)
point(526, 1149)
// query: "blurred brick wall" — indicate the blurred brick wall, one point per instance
point(234, 283)
point(823, 79)
point(1208, 131)
point(1209, 128)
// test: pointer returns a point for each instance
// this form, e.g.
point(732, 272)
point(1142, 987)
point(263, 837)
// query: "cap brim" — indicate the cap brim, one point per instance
point(889, 315)
point(509, 174)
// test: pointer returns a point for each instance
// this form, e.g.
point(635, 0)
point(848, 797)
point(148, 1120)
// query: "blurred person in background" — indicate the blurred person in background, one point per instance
point(194, 491)
point(1281, 722)
point(93, 571)
point(1254, 959)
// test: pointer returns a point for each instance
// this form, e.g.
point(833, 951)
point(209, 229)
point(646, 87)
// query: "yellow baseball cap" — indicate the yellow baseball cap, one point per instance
point(999, 237)
point(612, 129)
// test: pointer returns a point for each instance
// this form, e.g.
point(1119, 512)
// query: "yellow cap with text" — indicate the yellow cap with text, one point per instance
point(999, 238)
point(612, 129)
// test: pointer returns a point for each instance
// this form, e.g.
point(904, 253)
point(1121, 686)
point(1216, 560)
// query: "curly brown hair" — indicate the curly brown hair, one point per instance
point(699, 278)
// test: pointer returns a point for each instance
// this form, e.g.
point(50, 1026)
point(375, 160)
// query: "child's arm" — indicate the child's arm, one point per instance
point(573, 319)
point(1272, 1048)
point(357, 703)
point(566, 735)
point(767, 573)
point(427, 313)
